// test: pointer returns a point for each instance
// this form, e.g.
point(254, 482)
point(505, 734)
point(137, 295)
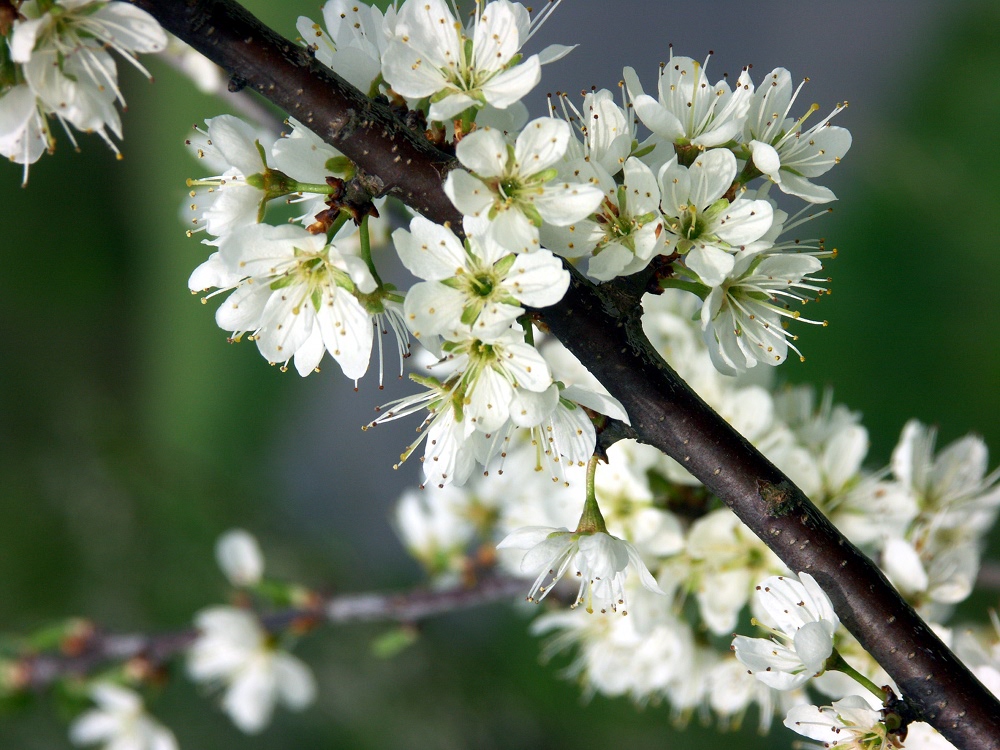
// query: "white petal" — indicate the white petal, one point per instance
point(512, 85)
point(564, 203)
point(675, 188)
point(610, 262)
point(800, 187)
point(249, 701)
point(484, 152)
point(432, 309)
point(528, 408)
point(537, 279)
point(430, 251)
point(94, 726)
point(408, 72)
point(347, 332)
point(766, 159)
point(540, 145)
point(239, 557)
point(643, 190)
point(512, 230)
point(489, 401)
point(743, 222)
point(710, 263)
point(712, 174)
point(658, 118)
point(602, 403)
point(295, 683)
point(527, 366)
point(131, 28)
point(470, 195)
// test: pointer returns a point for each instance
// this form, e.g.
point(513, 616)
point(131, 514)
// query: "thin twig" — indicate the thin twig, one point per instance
point(98, 649)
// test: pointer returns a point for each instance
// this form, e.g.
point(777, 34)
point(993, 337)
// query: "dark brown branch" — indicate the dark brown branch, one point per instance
point(397, 160)
point(97, 648)
point(603, 331)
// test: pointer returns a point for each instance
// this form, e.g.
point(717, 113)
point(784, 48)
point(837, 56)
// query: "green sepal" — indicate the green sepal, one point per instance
point(273, 182)
point(440, 95)
point(640, 152)
point(503, 266)
point(342, 280)
point(532, 214)
point(52, 637)
point(340, 165)
point(427, 381)
point(280, 593)
point(518, 56)
point(470, 313)
point(545, 175)
point(394, 641)
point(719, 207)
point(280, 283)
point(506, 298)
point(316, 298)
point(452, 282)
point(622, 199)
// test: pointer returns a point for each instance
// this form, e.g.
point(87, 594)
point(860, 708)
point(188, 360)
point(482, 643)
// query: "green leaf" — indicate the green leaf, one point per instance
point(394, 641)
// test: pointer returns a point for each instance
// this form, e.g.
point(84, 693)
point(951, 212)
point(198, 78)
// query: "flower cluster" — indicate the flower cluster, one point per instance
point(692, 207)
point(233, 651)
point(702, 557)
point(574, 187)
point(61, 66)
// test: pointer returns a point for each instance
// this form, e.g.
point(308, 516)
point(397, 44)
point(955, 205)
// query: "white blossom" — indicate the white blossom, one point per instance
point(850, 723)
point(953, 485)
point(743, 317)
point(726, 558)
point(239, 557)
point(492, 370)
point(703, 226)
point(432, 54)
point(224, 202)
point(509, 190)
point(803, 624)
point(606, 131)
point(120, 722)
point(63, 56)
point(785, 153)
point(295, 293)
point(600, 561)
point(234, 652)
point(478, 286)
point(625, 231)
point(354, 40)
point(689, 110)
point(557, 426)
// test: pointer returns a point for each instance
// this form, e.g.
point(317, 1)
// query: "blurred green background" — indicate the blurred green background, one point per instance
point(131, 435)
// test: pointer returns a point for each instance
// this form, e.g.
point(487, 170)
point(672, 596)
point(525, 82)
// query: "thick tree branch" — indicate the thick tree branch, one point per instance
point(96, 648)
point(604, 332)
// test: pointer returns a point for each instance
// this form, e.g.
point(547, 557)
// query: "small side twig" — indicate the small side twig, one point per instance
point(99, 649)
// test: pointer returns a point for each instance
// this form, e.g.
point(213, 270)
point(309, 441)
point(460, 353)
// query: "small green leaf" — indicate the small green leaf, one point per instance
point(394, 641)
